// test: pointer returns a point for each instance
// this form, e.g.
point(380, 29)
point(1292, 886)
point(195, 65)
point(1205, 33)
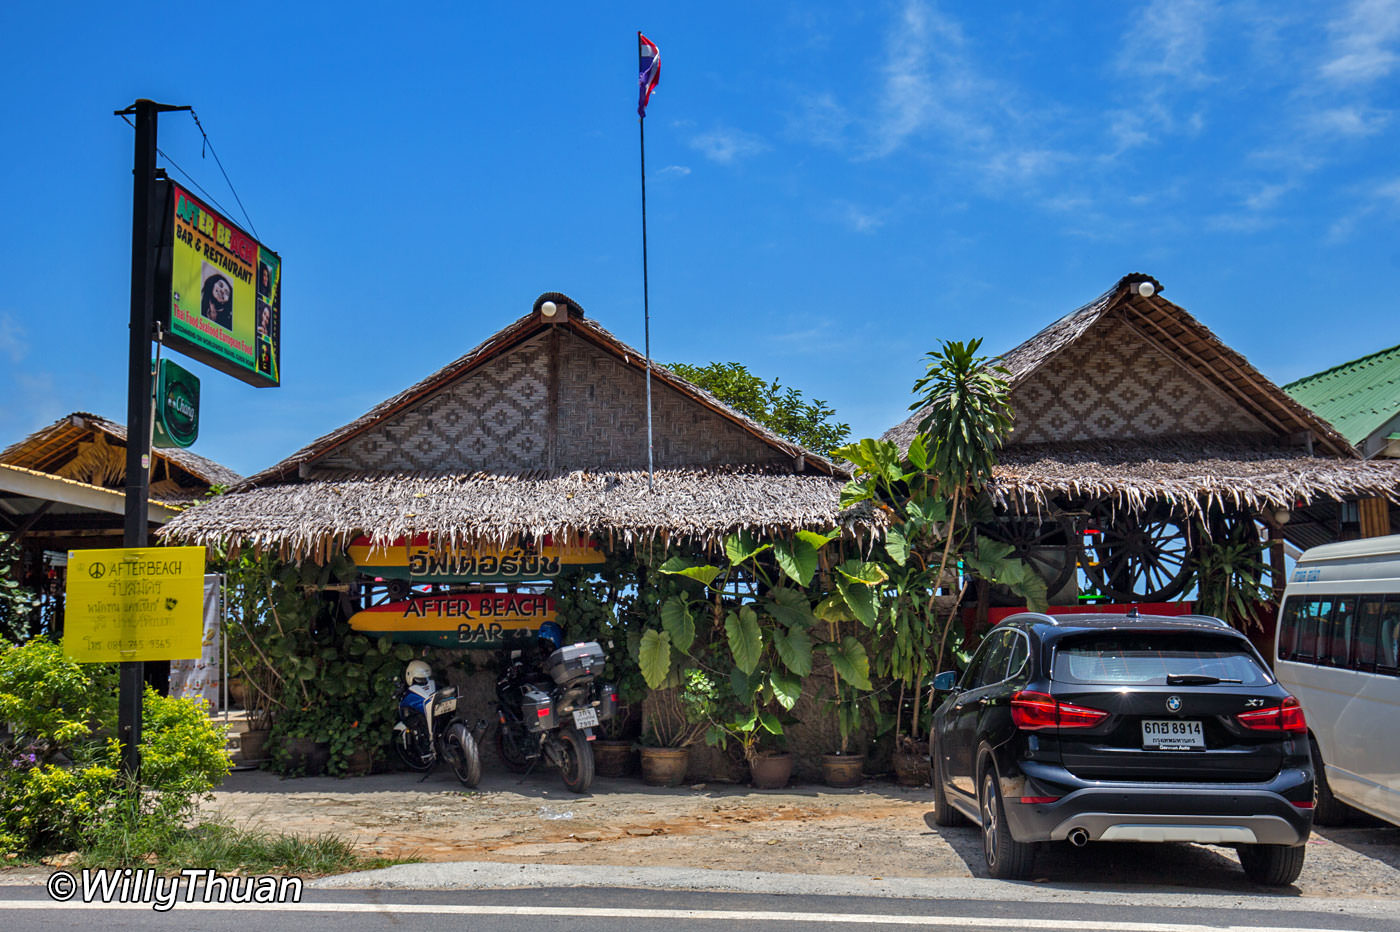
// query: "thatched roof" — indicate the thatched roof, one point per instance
point(310, 519)
point(1092, 419)
point(460, 457)
point(87, 448)
point(570, 317)
point(1195, 474)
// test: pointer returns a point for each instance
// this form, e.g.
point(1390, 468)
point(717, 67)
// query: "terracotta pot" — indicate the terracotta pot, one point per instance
point(252, 745)
point(843, 770)
point(360, 762)
point(911, 766)
point(771, 771)
point(664, 766)
point(613, 758)
point(237, 691)
point(307, 755)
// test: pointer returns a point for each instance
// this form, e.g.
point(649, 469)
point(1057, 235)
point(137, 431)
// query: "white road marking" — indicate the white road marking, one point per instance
point(717, 915)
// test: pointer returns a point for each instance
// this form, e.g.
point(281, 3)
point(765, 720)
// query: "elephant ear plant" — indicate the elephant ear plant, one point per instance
point(746, 626)
point(930, 494)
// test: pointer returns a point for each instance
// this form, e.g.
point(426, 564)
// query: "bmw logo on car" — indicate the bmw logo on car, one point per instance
point(1173, 703)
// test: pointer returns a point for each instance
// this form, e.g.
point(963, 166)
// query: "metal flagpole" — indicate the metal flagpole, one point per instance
point(646, 302)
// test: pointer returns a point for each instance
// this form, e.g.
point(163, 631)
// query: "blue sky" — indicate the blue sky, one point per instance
point(832, 188)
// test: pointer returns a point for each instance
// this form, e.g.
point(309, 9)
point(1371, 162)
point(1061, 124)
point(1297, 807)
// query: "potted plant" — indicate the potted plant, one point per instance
point(669, 728)
point(842, 768)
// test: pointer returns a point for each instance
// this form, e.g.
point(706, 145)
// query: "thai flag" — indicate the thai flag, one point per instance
point(649, 71)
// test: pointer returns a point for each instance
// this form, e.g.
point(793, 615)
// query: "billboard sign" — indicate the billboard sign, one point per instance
point(225, 293)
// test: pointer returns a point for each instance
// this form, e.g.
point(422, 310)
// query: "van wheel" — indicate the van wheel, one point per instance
point(1328, 809)
point(1007, 858)
point(1272, 865)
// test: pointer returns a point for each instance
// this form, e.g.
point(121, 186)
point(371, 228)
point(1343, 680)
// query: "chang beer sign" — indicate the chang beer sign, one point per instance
point(177, 406)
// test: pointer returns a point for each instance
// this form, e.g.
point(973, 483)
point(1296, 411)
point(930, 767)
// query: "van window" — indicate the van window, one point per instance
point(1368, 626)
point(1314, 609)
point(1288, 627)
point(1388, 649)
point(1334, 633)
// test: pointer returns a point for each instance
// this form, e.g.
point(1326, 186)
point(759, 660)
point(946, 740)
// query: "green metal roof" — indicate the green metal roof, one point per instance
point(1357, 397)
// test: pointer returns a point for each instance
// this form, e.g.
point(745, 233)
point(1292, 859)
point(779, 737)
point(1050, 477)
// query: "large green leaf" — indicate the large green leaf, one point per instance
point(897, 546)
point(743, 685)
point(871, 574)
point(703, 573)
point(850, 661)
point(787, 689)
point(676, 619)
point(789, 607)
point(918, 453)
point(833, 608)
point(742, 547)
point(818, 541)
point(798, 559)
point(655, 657)
point(770, 722)
point(745, 638)
point(860, 599)
point(795, 650)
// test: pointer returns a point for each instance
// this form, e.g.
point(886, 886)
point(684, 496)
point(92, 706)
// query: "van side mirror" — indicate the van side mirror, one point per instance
point(945, 681)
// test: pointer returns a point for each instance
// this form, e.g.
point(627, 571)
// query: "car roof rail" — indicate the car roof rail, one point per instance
point(1220, 622)
point(1036, 616)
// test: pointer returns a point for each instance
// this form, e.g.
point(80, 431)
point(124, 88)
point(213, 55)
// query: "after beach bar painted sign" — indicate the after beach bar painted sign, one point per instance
point(472, 619)
point(419, 561)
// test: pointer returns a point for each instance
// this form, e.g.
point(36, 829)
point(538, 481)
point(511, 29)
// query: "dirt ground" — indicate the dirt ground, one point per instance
point(878, 830)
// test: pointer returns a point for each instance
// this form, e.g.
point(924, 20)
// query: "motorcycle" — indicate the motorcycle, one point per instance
point(429, 729)
point(550, 715)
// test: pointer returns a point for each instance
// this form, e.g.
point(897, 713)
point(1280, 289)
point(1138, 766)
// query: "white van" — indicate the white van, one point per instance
point(1338, 652)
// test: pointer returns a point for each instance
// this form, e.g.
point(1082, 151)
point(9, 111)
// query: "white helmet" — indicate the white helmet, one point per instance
point(417, 673)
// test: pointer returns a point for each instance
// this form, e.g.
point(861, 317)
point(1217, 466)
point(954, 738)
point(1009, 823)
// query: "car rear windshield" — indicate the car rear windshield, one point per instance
point(1141, 659)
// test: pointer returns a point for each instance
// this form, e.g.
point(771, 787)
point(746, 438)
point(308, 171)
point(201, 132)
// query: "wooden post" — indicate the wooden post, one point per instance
point(1278, 572)
point(1375, 517)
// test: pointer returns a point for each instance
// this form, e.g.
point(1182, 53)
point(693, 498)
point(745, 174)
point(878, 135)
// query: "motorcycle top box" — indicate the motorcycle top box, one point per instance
point(576, 663)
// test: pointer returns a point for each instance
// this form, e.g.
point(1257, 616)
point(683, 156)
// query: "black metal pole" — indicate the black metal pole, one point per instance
point(646, 302)
point(131, 680)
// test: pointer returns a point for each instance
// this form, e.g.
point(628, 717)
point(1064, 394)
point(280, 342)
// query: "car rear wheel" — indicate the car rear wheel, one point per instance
point(1328, 810)
point(1007, 858)
point(1272, 865)
point(943, 813)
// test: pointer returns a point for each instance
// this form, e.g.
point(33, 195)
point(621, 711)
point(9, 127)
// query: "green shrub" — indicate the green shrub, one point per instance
point(61, 783)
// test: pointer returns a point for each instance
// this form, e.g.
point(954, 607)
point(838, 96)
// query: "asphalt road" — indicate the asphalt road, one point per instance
point(553, 908)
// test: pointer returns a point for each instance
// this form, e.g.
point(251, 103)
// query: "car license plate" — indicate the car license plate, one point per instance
point(446, 705)
point(1173, 735)
point(585, 718)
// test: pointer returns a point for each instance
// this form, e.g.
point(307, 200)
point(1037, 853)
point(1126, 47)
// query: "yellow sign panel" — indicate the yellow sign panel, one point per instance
point(138, 603)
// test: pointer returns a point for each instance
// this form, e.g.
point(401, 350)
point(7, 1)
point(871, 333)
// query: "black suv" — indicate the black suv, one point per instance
point(1123, 728)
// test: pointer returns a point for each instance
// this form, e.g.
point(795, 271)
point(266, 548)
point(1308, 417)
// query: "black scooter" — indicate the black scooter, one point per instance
point(549, 714)
point(429, 729)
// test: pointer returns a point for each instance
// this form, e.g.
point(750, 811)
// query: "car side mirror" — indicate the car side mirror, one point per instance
point(945, 681)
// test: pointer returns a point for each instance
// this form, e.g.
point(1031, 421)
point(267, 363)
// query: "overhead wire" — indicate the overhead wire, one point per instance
point(188, 177)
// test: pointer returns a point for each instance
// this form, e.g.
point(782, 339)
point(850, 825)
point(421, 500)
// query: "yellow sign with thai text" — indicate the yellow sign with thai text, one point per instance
point(133, 604)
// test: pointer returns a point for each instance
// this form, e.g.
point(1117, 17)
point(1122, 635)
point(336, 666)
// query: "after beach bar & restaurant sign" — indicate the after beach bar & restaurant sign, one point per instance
point(225, 292)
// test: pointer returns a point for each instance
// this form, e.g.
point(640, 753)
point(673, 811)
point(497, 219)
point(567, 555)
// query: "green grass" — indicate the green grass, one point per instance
point(224, 848)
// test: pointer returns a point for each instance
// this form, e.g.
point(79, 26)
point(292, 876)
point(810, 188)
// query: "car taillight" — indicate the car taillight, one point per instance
point(1033, 711)
point(1287, 716)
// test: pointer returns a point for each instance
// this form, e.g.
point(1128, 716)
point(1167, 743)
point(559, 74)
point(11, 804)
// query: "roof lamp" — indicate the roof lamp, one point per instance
point(549, 309)
point(1146, 289)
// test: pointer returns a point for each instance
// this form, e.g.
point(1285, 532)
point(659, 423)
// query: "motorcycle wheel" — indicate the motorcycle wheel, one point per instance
point(462, 754)
point(576, 761)
point(512, 754)
point(413, 750)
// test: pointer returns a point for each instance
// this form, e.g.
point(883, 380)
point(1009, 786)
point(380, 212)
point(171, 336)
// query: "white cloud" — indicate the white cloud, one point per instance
point(681, 170)
point(14, 342)
point(1351, 121)
point(1169, 39)
point(726, 146)
point(860, 219)
point(1364, 41)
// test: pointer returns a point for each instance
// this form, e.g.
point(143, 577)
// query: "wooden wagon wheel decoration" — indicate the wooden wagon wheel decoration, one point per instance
point(1048, 543)
point(1139, 555)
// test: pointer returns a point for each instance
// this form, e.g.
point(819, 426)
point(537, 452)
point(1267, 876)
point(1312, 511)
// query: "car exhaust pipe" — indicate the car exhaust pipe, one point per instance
point(1078, 837)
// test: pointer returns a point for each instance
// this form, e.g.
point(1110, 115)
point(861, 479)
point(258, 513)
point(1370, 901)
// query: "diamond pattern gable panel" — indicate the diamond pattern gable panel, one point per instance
point(602, 419)
point(1111, 384)
point(493, 419)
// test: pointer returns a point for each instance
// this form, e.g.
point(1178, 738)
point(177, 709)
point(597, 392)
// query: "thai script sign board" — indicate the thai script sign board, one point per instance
point(474, 619)
point(417, 560)
point(134, 604)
